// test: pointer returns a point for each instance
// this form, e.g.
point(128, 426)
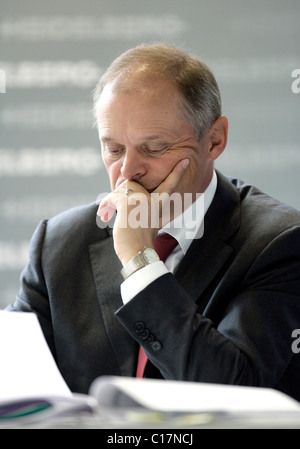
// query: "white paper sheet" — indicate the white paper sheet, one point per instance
point(193, 397)
point(27, 366)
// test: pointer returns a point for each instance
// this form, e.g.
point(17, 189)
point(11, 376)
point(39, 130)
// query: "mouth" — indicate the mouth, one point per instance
point(120, 181)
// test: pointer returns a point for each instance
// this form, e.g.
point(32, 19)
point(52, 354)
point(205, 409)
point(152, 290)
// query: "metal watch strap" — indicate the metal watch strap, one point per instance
point(135, 264)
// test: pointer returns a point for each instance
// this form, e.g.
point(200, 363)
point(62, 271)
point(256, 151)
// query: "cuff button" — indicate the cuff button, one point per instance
point(139, 327)
point(155, 345)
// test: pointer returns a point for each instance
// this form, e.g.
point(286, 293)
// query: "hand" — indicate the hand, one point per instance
point(138, 217)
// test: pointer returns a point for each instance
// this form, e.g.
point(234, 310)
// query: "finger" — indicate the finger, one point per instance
point(106, 209)
point(105, 214)
point(172, 180)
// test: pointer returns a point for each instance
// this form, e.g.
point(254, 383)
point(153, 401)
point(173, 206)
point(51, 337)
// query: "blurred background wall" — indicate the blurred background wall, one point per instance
point(51, 55)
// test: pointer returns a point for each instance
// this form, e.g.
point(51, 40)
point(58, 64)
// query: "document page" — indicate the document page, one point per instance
point(189, 397)
point(28, 369)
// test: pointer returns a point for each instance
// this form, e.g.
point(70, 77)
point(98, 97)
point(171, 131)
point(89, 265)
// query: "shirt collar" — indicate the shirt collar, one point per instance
point(186, 226)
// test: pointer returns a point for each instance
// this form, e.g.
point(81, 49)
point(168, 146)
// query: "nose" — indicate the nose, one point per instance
point(133, 165)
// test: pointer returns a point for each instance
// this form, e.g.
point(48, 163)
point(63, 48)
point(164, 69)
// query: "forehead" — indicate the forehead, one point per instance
point(141, 106)
point(154, 95)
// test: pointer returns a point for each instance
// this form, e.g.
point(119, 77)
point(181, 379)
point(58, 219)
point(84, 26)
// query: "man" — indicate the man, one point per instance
point(223, 306)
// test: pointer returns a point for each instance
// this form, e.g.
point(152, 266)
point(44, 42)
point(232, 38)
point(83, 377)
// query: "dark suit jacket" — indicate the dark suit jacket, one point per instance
point(226, 316)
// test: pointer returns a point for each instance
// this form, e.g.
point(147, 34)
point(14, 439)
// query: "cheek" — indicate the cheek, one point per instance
point(161, 169)
point(113, 171)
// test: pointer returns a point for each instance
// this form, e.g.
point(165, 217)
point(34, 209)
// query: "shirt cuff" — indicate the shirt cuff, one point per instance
point(139, 280)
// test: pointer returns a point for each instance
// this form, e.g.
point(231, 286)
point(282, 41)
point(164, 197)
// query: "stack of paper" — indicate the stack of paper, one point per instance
point(33, 391)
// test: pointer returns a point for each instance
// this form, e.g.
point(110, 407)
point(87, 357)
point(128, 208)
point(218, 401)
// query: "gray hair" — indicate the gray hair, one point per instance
point(200, 100)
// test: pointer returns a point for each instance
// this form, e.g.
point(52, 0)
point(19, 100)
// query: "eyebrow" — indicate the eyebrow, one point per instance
point(146, 139)
point(106, 139)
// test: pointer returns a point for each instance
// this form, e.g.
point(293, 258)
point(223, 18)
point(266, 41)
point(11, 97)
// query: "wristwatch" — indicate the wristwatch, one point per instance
point(143, 258)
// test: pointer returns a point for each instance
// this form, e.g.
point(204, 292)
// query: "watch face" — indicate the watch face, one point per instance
point(150, 255)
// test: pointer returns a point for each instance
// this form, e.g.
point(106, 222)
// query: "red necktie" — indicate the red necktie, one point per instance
point(163, 245)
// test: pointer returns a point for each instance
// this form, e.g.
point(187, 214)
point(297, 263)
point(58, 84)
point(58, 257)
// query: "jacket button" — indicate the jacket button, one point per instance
point(150, 338)
point(155, 345)
point(139, 327)
point(144, 335)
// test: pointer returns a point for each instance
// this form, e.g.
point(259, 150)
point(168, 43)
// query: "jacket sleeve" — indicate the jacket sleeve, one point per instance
point(250, 344)
point(33, 296)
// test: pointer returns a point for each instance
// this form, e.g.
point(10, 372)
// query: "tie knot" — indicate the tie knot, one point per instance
point(164, 245)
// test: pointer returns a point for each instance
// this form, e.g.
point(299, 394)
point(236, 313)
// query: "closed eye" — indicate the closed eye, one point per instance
point(154, 148)
point(113, 151)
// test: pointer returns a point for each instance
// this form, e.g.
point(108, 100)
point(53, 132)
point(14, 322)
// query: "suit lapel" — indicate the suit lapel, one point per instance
point(207, 258)
point(106, 269)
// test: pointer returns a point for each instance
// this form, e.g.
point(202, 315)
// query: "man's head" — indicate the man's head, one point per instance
point(199, 95)
point(155, 106)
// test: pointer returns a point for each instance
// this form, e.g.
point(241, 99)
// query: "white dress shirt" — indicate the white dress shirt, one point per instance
point(184, 228)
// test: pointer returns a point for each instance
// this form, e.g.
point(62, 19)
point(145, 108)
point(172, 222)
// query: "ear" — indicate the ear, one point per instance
point(218, 137)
